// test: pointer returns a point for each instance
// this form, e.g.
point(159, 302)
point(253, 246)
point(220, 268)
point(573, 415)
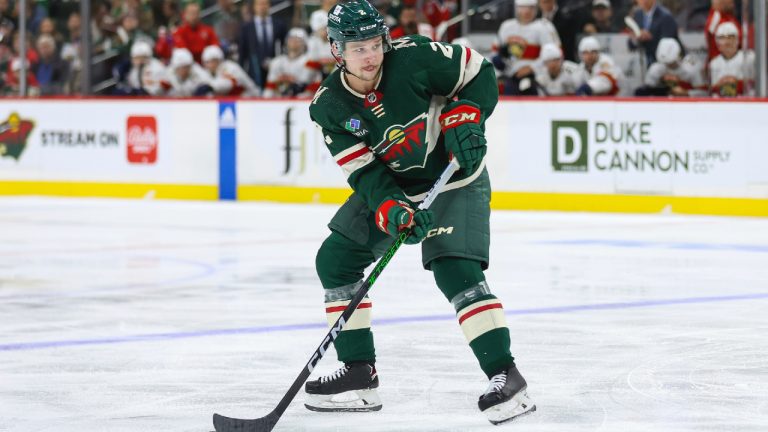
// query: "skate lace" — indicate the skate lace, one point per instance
point(497, 383)
point(334, 376)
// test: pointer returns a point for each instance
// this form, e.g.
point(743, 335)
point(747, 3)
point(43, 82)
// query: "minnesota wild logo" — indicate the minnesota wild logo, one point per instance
point(403, 146)
point(13, 136)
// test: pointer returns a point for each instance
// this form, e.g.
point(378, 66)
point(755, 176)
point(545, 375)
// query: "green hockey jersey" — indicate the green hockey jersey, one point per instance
point(389, 141)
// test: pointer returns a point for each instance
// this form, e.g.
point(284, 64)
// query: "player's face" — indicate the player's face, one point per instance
point(211, 66)
point(182, 72)
point(525, 14)
point(553, 66)
point(589, 57)
point(728, 45)
point(364, 58)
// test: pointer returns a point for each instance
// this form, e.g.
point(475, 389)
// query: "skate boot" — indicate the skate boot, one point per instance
point(506, 398)
point(351, 388)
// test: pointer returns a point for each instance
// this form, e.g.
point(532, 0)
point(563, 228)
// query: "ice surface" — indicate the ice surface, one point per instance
point(120, 315)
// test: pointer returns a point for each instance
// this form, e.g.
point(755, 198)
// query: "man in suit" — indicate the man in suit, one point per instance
point(655, 22)
point(261, 39)
point(566, 23)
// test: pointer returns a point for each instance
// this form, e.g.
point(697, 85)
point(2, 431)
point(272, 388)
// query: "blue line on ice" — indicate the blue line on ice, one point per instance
point(24, 346)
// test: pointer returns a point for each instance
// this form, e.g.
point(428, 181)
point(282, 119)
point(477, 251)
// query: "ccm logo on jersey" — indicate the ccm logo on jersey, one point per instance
point(439, 230)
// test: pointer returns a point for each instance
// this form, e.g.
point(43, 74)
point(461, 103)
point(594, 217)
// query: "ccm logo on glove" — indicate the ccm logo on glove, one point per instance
point(460, 115)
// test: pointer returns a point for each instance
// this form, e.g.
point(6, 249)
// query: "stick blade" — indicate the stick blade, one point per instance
point(227, 424)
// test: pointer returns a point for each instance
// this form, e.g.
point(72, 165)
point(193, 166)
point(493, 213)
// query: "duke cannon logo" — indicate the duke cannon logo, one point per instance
point(14, 132)
point(569, 145)
point(624, 146)
point(141, 139)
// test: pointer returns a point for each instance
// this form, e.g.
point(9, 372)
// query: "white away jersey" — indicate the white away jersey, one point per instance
point(686, 75)
point(232, 80)
point(291, 77)
point(570, 78)
point(150, 78)
point(197, 77)
point(525, 41)
point(739, 68)
point(605, 77)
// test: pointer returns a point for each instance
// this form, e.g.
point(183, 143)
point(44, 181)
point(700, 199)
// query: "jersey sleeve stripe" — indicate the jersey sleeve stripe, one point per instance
point(354, 158)
point(470, 67)
point(352, 152)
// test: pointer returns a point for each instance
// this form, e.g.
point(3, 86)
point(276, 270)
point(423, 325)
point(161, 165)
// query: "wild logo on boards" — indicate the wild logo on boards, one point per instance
point(14, 132)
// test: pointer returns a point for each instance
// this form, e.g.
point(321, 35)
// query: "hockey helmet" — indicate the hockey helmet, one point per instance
point(589, 43)
point(181, 57)
point(549, 52)
point(318, 20)
point(668, 51)
point(356, 20)
point(212, 52)
point(529, 3)
point(727, 29)
point(141, 48)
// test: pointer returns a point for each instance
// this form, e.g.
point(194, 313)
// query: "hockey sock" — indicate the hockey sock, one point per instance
point(480, 313)
point(340, 264)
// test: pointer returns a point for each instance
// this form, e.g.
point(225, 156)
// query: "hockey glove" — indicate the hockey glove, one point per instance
point(464, 137)
point(396, 213)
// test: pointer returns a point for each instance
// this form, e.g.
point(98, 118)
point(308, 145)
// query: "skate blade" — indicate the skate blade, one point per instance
point(519, 405)
point(351, 401)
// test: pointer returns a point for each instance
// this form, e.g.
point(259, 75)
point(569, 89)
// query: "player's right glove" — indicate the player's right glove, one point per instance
point(396, 213)
point(464, 137)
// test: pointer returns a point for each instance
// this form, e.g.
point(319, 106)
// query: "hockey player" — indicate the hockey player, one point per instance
point(672, 75)
point(146, 72)
point(229, 79)
point(319, 55)
point(520, 42)
point(391, 116)
point(288, 73)
point(733, 71)
point(184, 77)
point(601, 75)
point(556, 76)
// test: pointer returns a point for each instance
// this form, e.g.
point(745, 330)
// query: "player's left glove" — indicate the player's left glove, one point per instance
point(396, 213)
point(464, 137)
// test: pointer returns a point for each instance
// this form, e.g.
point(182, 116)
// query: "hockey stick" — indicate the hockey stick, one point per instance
point(268, 422)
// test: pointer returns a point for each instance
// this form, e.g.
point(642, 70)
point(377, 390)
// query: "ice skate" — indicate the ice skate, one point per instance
point(506, 397)
point(351, 388)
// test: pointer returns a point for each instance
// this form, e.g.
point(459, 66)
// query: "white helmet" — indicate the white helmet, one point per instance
point(212, 52)
point(668, 51)
point(533, 3)
point(550, 51)
point(141, 48)
point(298, 32)
point(181, 57)
point(589, 43)
point(318, 20)
point(727, 29)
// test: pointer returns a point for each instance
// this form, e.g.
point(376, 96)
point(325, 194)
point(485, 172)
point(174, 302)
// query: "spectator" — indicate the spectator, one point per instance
point(166, 15)
point(147, 73)
point(288, 73)
point(672, 75)
point(126, 33)
point(733, 71)
point(184, 77)
point(601, 19)
point(318, 48)
point(51, 72)
point(722, 11)
point(566, 24)
point(192, 35)
point(47, 26)
point(229, 79)
point(520, 41)
point(409, 24)
point(556, 76)
point(261, 40)
point(70, 52)
point(600, 73)
point(226, 24)
point(656, 22)
point(436, 12)
point(12, 83)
